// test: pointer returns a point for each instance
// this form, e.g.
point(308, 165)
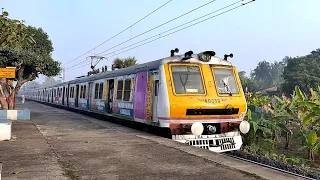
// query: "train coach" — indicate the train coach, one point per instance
point(198, 96)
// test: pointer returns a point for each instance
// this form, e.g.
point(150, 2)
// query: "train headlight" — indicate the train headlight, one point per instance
point(244, 127)
point(197, 128)
point(206, 56)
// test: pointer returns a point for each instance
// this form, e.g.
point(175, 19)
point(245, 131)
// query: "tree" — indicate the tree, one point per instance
point(130, 61)
point(29, 85)
point(118, 63)
point(248, 83)
point(122, 63)
point(50, 81)
point(262, 74)
point(29, 50)
point(302, 71)
point(277, 72)
point(242, 76)
point(13, 32)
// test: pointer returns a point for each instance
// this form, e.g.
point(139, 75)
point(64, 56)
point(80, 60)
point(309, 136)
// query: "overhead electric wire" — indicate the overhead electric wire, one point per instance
point(175, 28)
point(175, 31)
point(120, 31)
point(160, 25)
point(170, 29)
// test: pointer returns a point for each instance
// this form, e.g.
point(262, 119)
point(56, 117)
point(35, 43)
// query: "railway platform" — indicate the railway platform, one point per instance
point(60, 144)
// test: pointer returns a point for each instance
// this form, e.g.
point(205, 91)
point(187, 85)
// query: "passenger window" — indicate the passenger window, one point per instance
point(81, 90)
point(96, 91)
point(156, 87)
point(119, 89)
point(127, 90)
point(84, 91)
point(100, 90)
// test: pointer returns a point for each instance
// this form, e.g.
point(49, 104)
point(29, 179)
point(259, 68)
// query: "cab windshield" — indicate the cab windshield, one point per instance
point(187, 79)
point(225, 81)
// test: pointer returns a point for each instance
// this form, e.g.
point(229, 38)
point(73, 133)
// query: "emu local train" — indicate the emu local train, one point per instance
point(198, 96)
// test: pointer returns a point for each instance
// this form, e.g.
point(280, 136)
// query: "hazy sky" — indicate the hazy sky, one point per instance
point(263, 30)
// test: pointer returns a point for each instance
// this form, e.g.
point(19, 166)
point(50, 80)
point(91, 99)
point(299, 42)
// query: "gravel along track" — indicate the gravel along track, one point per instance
point(274, 164)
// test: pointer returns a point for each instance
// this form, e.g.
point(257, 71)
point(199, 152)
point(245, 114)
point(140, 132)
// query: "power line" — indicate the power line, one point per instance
point(164, 24)
point(173, 29)
point(243, 4)
point(121, 31)
point(159, 26)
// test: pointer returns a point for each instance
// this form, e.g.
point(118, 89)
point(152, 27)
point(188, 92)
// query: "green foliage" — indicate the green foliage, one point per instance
point(43, 45)
point(285, 159)
point(262, 73)
point(248, 84)
point(258, 99)
point(13, 32)
point(263, 76)
point(302, 71)
point(130, 61)
point(268, 74)
point(127, 62)
point(282, 114)
point(50, 81)
point(29, 50)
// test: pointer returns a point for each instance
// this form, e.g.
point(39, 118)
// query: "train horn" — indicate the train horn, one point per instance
point(226, 56)
point(172, 52)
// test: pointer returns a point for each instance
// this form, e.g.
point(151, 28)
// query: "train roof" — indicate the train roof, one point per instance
point(145, 67)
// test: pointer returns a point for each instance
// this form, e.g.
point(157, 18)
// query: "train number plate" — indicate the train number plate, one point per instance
point(211, 101)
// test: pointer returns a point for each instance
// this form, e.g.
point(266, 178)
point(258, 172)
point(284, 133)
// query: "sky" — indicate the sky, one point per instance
point(263, 30)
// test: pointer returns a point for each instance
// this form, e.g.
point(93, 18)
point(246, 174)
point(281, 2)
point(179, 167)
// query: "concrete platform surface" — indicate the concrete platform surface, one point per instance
point(67, 145)
point(27, 155)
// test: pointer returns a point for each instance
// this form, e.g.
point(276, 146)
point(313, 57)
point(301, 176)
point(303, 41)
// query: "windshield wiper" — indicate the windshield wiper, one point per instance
point(226, 86)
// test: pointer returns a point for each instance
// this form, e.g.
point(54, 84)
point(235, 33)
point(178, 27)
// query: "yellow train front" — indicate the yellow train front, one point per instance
point(201, 100)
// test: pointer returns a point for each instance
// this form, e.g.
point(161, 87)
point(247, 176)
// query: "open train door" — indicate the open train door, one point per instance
point(89, 101)
point(63, 94)
point(76, 102)
point(155, 93)
point(110, 96)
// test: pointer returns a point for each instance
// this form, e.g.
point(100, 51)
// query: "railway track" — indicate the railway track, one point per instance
point(229, 154)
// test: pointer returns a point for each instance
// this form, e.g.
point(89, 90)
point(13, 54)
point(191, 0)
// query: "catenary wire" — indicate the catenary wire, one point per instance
point(158, 26)
point(171, 32)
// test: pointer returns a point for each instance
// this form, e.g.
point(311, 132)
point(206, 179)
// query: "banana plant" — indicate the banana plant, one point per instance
point(300, 109)
point(312, 143)
point(309, 111)
point(262, 129)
